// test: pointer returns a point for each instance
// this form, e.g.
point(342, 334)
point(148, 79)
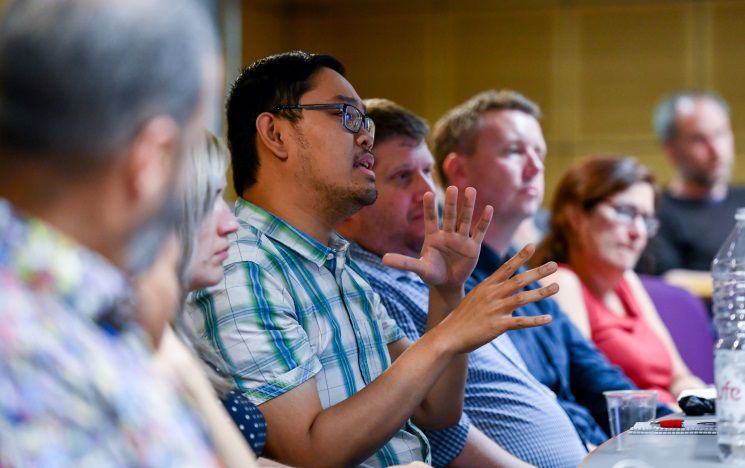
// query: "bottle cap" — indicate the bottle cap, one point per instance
point(740, 214)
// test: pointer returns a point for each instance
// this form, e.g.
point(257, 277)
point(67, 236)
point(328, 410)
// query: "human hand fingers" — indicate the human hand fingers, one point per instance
point(510, 303)
point(466, 214)
point(480, 230)
point(450, 209)
point(481, 316)
point(430, 213)
point(519, 322)
point(403, 262)
point(524, 279)
point(510, 266)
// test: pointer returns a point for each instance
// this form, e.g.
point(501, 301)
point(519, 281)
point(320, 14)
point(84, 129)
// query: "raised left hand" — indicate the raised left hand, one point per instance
point(450, 253)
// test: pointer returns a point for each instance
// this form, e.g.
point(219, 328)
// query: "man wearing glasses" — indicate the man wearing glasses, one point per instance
point(299, 328)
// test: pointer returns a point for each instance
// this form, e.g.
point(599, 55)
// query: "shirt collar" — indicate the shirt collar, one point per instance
point(286, 234)
point(50, 263)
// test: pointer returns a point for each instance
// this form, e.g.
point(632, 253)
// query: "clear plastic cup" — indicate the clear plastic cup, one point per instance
point(628, 407)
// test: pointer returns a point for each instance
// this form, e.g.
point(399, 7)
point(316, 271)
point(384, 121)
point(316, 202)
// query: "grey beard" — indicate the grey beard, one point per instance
point(702, 179)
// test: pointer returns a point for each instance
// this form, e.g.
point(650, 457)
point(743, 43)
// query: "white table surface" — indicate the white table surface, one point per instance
point(656, 450)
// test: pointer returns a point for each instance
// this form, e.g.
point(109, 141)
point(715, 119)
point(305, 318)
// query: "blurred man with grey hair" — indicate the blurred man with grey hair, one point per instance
point(695, 133)
point(98, 98)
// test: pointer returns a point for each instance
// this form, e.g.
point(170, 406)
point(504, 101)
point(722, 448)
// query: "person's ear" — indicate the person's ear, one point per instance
point(153, 159)
point(453, 167)
point(272, 134)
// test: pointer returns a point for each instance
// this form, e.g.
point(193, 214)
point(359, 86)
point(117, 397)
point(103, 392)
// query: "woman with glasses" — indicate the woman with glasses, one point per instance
point(602, 216)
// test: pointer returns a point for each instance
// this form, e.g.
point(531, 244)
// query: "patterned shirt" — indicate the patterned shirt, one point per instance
point(78, 385)
point(290, 309)
point(502, 398)
point(248, 418)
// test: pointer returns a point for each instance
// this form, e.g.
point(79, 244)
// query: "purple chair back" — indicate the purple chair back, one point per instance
point(689, 323)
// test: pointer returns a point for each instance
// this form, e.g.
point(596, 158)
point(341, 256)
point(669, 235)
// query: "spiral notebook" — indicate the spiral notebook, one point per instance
point(689, 427)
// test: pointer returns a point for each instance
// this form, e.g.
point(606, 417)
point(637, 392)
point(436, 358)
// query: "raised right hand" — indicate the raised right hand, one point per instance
point(486, 312)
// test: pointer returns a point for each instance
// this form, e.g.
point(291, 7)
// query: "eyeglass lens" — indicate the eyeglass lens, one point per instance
point(354, 120)
point(628, 215)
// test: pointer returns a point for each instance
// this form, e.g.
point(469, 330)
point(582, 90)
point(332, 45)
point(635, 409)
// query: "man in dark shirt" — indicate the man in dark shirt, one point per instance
point(697, 208)
point(494, 143)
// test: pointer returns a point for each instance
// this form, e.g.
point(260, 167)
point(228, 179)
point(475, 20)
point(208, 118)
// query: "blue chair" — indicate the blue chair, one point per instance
point(687, 319)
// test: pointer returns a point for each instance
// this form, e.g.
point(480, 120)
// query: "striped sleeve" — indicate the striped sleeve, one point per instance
point(391, 331)
point(253, 324)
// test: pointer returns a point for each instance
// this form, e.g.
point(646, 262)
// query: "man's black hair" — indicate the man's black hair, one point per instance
point(265, 84)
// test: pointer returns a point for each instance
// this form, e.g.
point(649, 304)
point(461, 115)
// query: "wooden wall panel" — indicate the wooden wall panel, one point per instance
point(626, 64)
point(384, 55)
point(727, 60)
point(596, 67)
point(265, 30)
point(514, 53)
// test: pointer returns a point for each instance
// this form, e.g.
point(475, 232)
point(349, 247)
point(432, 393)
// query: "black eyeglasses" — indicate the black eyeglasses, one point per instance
point(627, 215)
point(351, 118)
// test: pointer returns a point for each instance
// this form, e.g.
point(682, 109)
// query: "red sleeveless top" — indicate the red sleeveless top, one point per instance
point(630, 343)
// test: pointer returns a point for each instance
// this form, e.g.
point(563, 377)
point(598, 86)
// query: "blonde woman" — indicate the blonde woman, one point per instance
point(189, 260)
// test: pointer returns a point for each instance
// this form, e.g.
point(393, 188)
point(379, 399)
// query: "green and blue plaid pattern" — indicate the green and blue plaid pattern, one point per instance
point(290, 309)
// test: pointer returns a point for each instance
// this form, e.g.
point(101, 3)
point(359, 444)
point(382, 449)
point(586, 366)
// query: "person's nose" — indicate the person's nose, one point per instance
point(227, 223)
point(533, 164)
point(365, 139)
point(637, 228)
point(422, 184)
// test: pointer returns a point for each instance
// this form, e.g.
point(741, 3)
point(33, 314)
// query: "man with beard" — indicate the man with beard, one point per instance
point(97, 100)
point(694, 130)
point(299, 327)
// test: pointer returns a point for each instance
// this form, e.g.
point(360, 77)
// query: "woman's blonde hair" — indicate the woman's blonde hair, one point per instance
point(203, 179)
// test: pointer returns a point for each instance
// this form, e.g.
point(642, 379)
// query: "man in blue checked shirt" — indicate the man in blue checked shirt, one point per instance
point(504, 404)
point(300, 329)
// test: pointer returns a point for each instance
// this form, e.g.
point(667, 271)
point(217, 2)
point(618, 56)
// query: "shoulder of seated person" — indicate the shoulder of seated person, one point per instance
point(634, 282)
point(565, 277)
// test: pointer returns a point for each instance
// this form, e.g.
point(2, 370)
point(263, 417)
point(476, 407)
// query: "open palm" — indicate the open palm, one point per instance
point(450, 253)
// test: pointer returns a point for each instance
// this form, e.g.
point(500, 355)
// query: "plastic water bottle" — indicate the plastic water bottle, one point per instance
point(728, 272)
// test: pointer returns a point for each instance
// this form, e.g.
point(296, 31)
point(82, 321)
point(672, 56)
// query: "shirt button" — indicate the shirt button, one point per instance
point(330, 256)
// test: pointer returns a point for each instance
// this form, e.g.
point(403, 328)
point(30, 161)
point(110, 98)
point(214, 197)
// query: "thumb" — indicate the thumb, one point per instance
point(403, 262)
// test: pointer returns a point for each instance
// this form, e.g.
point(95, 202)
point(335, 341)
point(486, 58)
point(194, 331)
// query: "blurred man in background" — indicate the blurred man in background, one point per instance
point(698, 206)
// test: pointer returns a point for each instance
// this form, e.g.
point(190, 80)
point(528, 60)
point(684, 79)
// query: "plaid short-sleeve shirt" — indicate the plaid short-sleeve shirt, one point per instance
point(291, 308)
